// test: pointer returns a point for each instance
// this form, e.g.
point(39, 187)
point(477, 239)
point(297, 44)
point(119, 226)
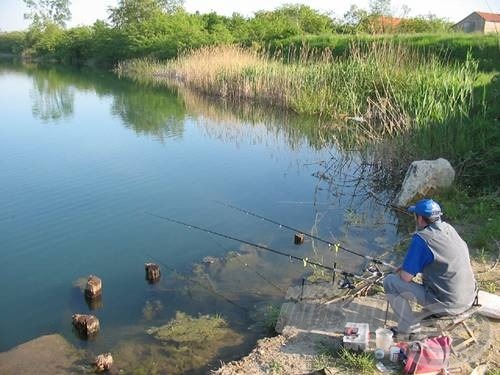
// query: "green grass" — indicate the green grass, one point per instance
point(364, 363)
point(268, 318)
point(275, 367)
point(322, 361)
point(337, 356)
point(450, 47)
point(477, 217)
point(488, 286)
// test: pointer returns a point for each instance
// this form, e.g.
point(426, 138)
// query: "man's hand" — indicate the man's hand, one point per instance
point(405, 276)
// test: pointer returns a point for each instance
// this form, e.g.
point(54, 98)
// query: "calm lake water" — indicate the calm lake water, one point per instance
point(85, 156)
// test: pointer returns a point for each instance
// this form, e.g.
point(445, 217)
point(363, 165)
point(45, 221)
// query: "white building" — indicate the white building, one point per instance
point(479, 22)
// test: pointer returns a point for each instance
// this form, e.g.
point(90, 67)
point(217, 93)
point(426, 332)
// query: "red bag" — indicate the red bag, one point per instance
point(430, 356)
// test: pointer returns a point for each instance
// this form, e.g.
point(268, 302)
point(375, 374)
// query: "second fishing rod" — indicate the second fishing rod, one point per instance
point(329, 243)
point(290, 256)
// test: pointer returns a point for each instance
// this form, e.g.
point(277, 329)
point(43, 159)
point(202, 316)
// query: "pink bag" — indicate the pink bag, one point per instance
point(430, 356)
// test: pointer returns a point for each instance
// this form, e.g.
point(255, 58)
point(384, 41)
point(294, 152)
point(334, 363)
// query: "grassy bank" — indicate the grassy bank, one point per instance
point(448, 47)
point(389, 88)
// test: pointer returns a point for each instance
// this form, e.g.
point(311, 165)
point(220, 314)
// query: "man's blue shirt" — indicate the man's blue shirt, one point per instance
point(419, 255)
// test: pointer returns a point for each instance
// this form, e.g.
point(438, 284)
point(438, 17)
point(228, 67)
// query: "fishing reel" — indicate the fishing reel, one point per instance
point(374, 270)
point(345, 283)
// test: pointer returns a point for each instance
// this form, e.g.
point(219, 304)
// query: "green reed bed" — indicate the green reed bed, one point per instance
point(448, 46)
point(388, 87)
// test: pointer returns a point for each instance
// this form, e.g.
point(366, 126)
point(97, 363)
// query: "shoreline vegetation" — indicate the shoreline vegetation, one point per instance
point(389, 87)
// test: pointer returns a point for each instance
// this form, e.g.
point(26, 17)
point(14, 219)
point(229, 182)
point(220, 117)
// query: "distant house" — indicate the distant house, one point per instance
point(382, 24)
point(479, 22)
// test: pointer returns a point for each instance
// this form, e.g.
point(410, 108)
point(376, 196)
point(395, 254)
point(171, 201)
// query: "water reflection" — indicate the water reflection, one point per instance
point(150, 111)
point(145, 110)
point(52, 99)
point(160, 111)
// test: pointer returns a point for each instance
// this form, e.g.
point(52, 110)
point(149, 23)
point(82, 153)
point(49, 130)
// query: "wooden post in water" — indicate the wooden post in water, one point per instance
point(86, 325)
point(93, 289)
point(299, 238)
point(152, 272)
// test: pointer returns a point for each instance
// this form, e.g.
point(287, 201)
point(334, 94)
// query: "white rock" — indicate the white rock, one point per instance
point(423, 176)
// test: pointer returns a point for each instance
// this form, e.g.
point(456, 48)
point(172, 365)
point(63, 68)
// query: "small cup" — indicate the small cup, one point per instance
point(394, 353)
point(379, 353)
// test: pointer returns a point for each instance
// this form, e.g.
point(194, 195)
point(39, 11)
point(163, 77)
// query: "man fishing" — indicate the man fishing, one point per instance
point(442, 257)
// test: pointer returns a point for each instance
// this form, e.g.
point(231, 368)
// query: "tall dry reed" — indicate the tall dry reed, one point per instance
point(384, 88)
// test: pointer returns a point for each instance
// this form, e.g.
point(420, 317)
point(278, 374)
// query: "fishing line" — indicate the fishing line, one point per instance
point(306, 261)
point(370, 258)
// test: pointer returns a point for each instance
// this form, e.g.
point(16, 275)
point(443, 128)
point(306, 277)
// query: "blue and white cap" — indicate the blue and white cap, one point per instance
point(426, 208)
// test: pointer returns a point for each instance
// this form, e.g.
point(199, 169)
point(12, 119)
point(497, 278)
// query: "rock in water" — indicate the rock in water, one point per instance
point(209, 260)
point(86, 325)
point(103, 362)
point(93, 288)
point(152, 272)
point(423, 177)
point(45, 355)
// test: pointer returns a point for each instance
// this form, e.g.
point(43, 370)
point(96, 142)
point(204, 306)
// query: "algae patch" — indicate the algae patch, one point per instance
point(184, 344)
point(152, 309)
point(184, 329)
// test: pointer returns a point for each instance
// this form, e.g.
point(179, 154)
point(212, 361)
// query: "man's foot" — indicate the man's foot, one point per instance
point(403, 336)
point(395, 332)
point(416, 336)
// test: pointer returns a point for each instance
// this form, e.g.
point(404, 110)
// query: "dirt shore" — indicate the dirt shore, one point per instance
point(300, 352)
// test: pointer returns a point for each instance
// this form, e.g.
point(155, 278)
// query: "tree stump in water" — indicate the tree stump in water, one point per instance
point(86, 325)
point(103, 362)
point(152, 272)
point(299, 238)
point(93, 289)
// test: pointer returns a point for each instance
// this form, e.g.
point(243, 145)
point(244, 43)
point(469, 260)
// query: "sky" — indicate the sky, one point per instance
point(85, 12)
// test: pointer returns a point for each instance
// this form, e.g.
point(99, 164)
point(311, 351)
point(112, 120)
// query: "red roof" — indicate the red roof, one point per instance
point(489, 17)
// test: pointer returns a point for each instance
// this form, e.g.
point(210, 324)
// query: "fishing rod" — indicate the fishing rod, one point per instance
point(289, 256)
point(390, 205)
point(337, 245)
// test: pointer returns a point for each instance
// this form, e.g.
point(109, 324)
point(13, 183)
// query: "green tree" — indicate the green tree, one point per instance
point(137, 11)
point(424, 24)
point(12, 42)
point(172, 6)
point(354, 16)
point(288, 21)
point(380, 7)
point(309, 21)
point(129, 12)
point(48, 11)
